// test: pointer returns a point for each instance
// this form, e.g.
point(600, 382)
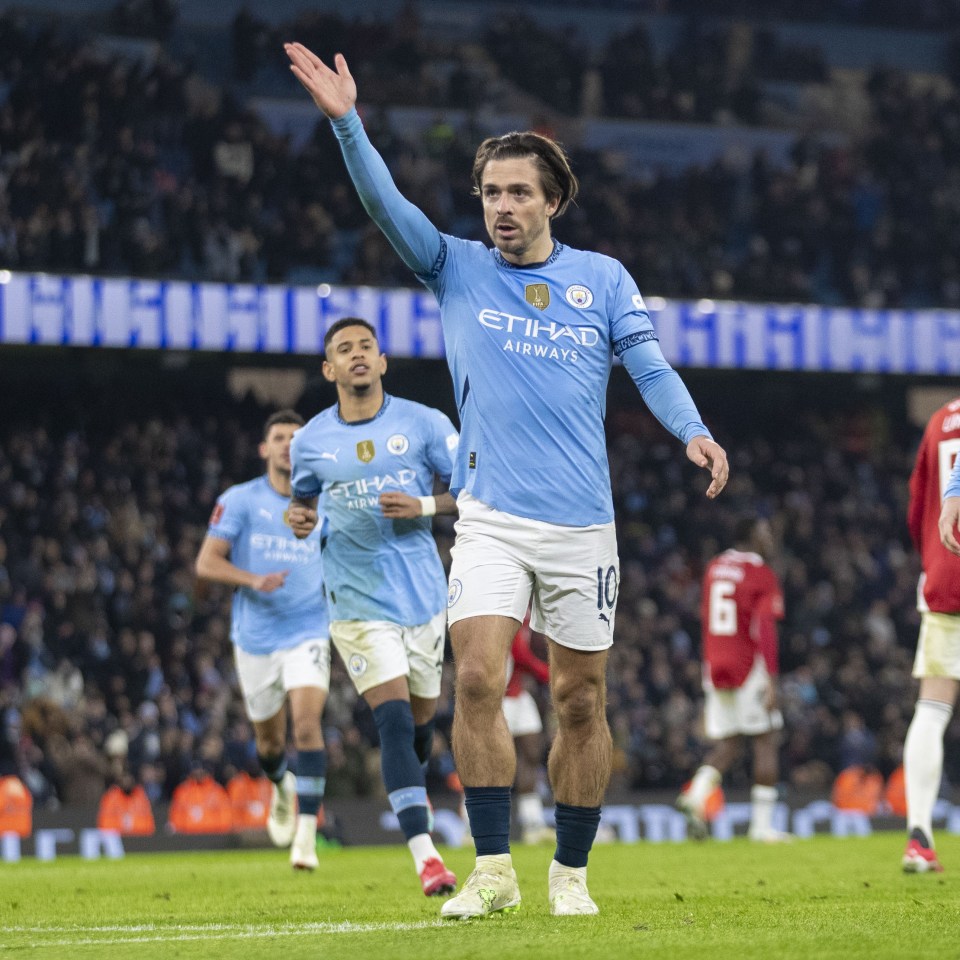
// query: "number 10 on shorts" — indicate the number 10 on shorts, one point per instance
point(606, 587)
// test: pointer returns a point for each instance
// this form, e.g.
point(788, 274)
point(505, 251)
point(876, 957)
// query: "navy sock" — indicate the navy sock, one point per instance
point(274, 767)
point(311, 779)
point(488, 809)
point(576, 831)
point(402, 772)
point(423, 740)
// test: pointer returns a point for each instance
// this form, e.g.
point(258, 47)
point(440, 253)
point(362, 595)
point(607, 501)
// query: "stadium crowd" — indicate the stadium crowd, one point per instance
point(116, 166)
point(113, 660)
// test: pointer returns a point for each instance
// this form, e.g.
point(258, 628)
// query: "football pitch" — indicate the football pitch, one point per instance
point(818, 898)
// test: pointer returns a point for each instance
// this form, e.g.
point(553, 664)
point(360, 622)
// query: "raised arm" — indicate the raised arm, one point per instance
point(411, 234)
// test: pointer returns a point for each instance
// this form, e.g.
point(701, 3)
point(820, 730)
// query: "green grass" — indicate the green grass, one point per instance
point(819, 898)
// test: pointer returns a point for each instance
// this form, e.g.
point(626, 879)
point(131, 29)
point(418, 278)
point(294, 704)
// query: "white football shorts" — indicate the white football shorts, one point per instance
point(266, 678)
point(376, 651)
point(522, 714)
point(938, 649)
point(568, 576)
point(727, 713)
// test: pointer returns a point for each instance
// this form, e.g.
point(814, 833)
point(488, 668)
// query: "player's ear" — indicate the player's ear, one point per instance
point(383, 364)
point(327, 370)
point(262, 450)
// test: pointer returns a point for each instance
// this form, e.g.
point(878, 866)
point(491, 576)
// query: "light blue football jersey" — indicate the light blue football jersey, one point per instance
point(530, 350)
point(252, 517)
point(376, 568)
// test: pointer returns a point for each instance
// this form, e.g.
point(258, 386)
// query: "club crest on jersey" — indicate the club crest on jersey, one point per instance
point(579, 296)
point(286, 518)
point(357, 664)
point(398, 444)
point(537, 295)
point(365, 451)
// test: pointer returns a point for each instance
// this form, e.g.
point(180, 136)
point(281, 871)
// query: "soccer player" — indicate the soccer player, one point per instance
point(280, 634)
point(530, 328)
point(526, 728)
point(374, 458)
point(937, 663)
point(740, 605)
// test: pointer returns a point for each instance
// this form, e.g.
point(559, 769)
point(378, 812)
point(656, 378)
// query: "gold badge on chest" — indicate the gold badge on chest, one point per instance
point(537, 295)
point(365, 451)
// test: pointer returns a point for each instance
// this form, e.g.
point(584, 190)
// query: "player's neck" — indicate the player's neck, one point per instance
point(539, 252)
point(280, 481)
point(360, 406)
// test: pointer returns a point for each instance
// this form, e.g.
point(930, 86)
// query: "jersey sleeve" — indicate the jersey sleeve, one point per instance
point(636, 344)
point(442, 442)
point(410, 232)
point(768, 610)
point(228, 517)
point(304, 482)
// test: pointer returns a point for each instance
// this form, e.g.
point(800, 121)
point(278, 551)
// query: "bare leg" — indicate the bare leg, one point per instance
point(482, 745)
point(579, 763)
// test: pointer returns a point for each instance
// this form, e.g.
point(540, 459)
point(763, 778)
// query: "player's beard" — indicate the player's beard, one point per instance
point(520, 243)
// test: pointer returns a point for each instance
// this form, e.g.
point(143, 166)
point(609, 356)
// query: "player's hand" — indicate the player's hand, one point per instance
point(947, 524)
point(705, 453)
point(334, 93)
point(400, 506)
point(270, 581)
point(770, 697)
point(302, 520)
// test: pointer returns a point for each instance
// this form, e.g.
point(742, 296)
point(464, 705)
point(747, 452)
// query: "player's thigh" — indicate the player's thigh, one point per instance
point(753, 718)
point(492, 563)
point(938, 647)
point(577, 582)
point(372, 650)
point(424, 645)
point(261, 684)
point(523, 717)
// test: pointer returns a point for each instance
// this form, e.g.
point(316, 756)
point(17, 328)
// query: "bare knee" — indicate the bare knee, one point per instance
point(578, 701)
point(478, 687)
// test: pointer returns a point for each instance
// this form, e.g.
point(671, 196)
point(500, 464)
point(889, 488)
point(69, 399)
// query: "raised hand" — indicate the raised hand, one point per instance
point(334, 92)
point(705, 453)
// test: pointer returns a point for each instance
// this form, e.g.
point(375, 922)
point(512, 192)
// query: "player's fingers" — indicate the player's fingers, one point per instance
point(341, 63)
point(310, 57)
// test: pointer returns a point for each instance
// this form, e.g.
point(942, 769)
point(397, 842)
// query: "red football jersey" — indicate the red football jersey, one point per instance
point(740, 605)
point(940, 583)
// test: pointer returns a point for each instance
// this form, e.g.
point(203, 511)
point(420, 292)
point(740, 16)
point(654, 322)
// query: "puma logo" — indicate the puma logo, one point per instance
point(605, 619)
point(330, 456)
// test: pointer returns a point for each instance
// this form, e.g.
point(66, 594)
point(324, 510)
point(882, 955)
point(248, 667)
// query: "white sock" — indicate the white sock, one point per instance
point(306, 826)
point(422, 848)
point(704, 782)
point(530, 810)
point(923, 762)
point(762, 800)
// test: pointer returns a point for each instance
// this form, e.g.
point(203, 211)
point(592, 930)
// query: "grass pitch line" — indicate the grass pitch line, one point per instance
point(139, 933)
